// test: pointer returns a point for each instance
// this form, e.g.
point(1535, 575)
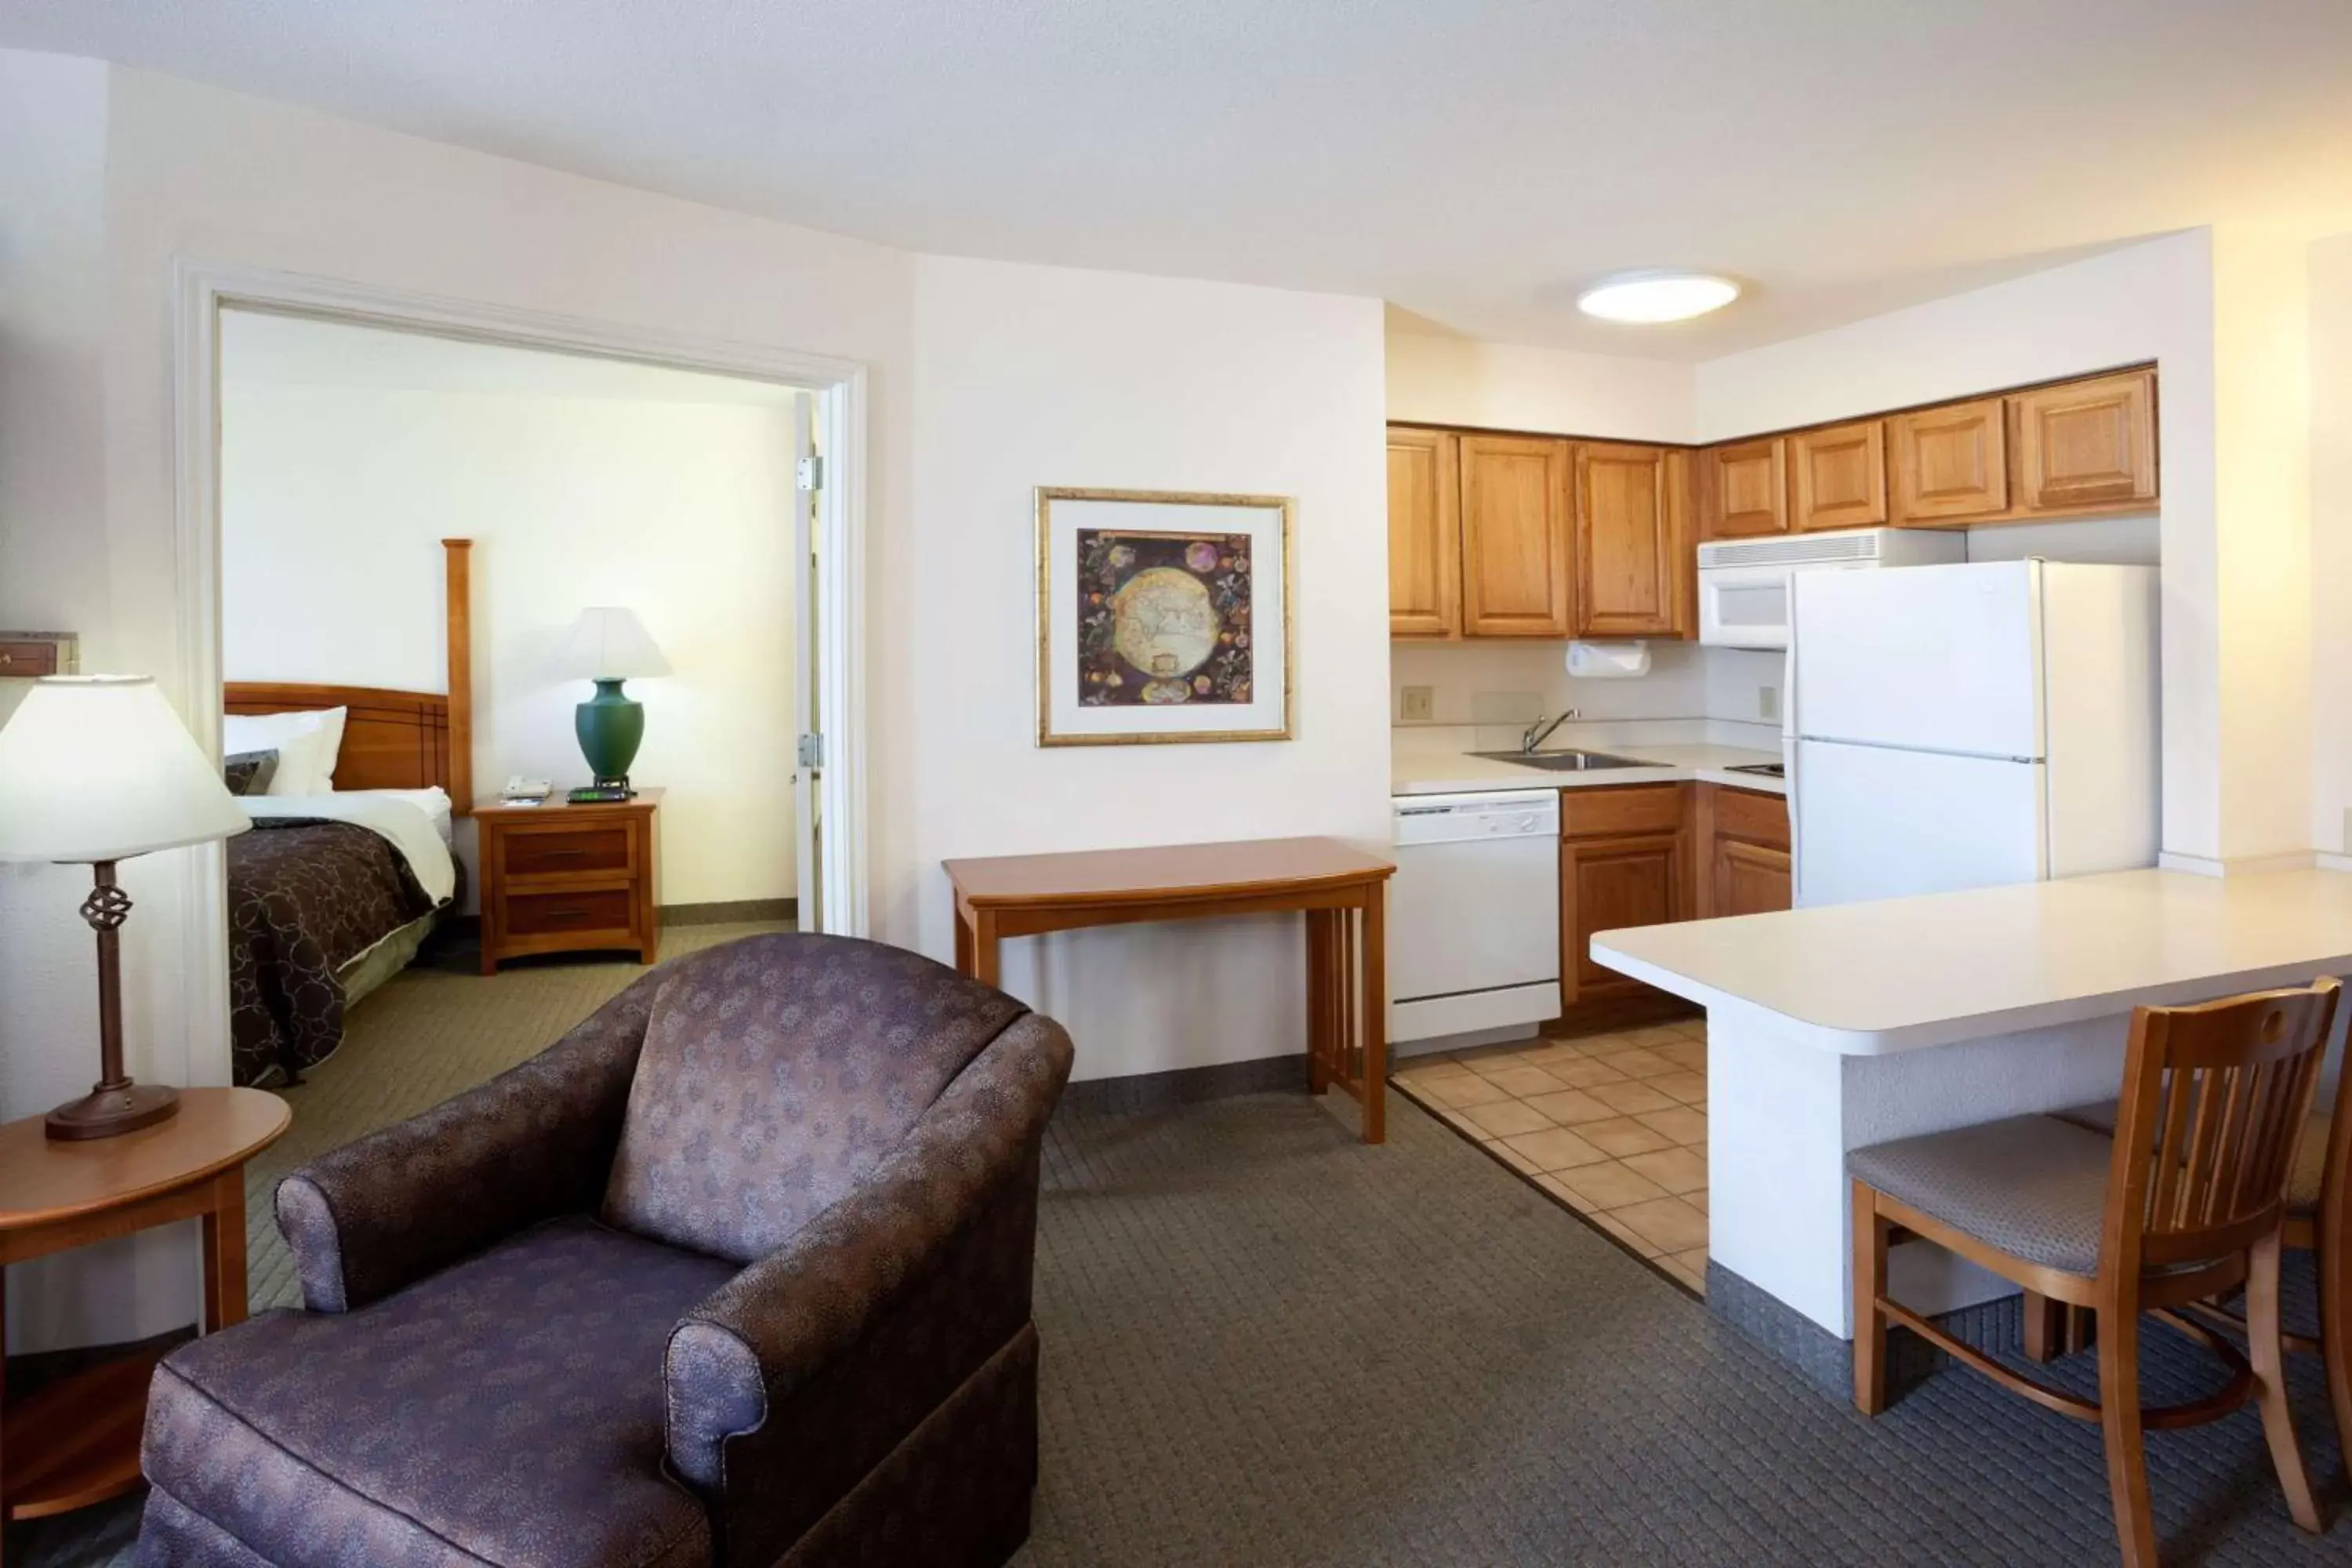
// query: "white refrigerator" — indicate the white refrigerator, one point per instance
point(1970, 725)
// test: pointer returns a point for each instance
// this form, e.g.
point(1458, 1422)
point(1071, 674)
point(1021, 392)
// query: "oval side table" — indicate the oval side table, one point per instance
point(76, 1441)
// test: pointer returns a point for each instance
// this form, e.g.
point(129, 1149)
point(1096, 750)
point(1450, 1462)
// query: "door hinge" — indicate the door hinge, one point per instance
point(812, 473)
point(812, 750)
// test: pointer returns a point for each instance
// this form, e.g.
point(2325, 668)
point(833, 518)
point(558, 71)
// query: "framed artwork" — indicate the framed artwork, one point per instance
point(1162, 616)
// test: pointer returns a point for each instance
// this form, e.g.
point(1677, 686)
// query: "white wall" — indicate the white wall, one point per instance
point(2331, 542)
point(1029, 375)
point(1509, 386)
point(333, 503)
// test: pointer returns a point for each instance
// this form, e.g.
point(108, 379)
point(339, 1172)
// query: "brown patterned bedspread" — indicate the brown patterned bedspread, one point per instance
point(305, 898)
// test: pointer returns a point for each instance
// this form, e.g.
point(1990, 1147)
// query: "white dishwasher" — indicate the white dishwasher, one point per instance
point(1473, 912)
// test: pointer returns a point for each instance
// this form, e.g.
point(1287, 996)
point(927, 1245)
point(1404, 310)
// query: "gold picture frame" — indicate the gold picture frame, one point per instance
point(1070, 723)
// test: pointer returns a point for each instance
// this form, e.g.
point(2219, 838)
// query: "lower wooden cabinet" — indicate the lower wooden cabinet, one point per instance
point(1743, 846)
point(1624, 860)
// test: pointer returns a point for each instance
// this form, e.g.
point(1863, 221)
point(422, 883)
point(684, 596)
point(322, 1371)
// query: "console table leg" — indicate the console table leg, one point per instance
point(1319, 1002)
point(1375, 1016)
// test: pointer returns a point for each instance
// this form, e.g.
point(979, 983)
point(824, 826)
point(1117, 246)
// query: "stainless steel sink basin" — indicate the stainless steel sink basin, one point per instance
point(1565, 762)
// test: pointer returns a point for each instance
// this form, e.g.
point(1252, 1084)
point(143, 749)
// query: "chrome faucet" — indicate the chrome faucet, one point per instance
point(1537, 733)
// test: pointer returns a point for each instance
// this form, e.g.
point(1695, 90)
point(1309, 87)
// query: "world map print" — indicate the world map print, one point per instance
point(1164, 618)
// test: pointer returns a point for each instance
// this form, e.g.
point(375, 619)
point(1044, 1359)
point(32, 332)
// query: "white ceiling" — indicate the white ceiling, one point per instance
point(260, 348)
point(1470, 160)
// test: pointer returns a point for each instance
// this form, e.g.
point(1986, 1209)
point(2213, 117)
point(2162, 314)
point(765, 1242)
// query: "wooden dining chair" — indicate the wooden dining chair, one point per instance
point(2319, 1207)
point(2186, 1201)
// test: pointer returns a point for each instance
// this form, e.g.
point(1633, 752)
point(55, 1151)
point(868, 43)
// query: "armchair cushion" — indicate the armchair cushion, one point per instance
point(502, 1412)
point(366, 1219)
point(777, 1072)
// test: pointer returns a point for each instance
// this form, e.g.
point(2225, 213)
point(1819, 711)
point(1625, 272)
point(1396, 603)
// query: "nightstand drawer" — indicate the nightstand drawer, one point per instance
point(567, 914)
point(602, 849)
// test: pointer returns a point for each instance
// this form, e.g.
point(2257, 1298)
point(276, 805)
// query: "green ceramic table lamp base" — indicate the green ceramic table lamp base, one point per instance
point(610, 726)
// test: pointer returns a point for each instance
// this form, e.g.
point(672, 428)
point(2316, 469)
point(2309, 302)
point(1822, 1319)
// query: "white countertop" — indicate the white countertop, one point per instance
point(1427, 768)
point(1867, 979)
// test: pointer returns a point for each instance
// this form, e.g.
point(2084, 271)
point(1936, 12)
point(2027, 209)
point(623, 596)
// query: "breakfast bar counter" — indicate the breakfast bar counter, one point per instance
point(1836, 1027)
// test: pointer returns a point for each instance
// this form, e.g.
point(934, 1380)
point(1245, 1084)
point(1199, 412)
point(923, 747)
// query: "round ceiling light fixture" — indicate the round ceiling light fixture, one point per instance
point(1645, 299)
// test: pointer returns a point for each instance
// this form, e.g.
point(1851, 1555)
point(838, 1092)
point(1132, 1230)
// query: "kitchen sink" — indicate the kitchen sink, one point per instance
point(1565, 762)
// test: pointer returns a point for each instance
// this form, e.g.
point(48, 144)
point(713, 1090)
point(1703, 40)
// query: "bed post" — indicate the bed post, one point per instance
point(458, 601)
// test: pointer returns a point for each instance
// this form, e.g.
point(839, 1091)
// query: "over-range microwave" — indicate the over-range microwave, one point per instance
point(1743, 583)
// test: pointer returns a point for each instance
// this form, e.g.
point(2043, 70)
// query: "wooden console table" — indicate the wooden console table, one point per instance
point(76, 1441)
point(1340, 889)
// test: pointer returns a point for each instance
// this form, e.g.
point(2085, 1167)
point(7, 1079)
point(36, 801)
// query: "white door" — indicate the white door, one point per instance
point(1938, 658)
point(1876, 823)
point(808, 838)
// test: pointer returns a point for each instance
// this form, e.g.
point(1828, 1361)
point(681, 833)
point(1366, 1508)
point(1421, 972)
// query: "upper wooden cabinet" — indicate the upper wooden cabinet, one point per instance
point(1951, 463)
point(1515, 537)
point(1629, 541)
point(1425, 533)
point(1837, 476)
point(1743, 488)
point(2087, 443)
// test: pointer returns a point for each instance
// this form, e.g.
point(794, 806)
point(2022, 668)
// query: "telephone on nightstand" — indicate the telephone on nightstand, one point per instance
point(520, 788)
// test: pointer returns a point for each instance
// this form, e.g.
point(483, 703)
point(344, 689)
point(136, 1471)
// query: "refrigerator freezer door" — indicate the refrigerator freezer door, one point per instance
point(1875, 823)
point(1935, 658)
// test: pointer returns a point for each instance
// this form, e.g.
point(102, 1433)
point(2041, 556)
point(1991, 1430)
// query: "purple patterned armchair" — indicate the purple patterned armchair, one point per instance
point(736, 1272)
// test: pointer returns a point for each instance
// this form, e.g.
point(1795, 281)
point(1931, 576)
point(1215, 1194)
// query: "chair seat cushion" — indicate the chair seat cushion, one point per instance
point(508, 1410)
point(2033, 1186)
point(2303, 1183)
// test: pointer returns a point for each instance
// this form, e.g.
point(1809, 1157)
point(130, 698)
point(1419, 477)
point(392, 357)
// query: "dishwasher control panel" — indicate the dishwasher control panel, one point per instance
point(1458, 818)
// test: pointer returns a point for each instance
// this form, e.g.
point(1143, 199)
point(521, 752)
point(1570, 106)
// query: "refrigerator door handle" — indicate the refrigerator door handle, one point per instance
point(1788, 759)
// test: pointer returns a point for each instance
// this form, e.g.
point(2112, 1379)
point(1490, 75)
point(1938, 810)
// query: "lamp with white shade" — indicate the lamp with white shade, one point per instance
point(95, 769)
point(610, 644)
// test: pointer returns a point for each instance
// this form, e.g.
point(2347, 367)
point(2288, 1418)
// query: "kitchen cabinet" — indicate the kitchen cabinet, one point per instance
point(1837, 476)
point(2085, 442)
point(1951, 464)
point(1743, 838)
point(1630, 550)
point(1624, 860)
point(1515, 537)
point(1743, 488)
point(1425, 533)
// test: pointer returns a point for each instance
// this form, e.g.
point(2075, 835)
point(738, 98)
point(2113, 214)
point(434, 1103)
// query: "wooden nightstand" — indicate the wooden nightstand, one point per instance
point(568, 878)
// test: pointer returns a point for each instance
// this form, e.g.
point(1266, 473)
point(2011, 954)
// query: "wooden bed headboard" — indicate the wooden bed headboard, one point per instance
point(397, 740)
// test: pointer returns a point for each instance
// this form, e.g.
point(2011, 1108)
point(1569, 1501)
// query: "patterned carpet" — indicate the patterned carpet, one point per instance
point(1266, 1343)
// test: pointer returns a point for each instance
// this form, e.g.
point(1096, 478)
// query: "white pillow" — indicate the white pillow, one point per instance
point(432, 801)
point(305, 743)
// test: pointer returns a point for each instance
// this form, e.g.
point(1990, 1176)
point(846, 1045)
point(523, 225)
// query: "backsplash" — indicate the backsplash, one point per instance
point(1495, 684)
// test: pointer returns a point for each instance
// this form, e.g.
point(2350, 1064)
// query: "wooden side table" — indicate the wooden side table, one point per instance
point(76, 1441)
point(1341, 890)
point(559, 877)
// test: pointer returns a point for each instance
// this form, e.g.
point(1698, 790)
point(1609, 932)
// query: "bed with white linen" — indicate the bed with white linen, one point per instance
point(352, 792)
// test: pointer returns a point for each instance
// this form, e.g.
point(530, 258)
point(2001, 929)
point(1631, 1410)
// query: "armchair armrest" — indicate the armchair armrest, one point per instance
point(536, 1140)
point(871, 1316)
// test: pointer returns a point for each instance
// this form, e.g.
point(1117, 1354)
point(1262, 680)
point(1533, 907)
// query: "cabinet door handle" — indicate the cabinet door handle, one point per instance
point(551, 853)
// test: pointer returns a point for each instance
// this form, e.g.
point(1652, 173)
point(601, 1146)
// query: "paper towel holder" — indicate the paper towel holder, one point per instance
point(1609, 660)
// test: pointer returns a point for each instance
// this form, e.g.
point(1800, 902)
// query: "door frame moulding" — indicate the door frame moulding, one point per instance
point(838, 387)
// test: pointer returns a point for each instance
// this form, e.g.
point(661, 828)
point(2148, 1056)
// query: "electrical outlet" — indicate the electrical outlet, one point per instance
point(1417, 704)
point(1767, 703)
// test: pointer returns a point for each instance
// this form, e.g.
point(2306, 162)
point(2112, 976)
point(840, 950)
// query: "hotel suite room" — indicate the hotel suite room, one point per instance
point(1029, 1187)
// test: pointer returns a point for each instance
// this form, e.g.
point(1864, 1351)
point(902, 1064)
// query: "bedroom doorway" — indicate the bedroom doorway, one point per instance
point(808, 795)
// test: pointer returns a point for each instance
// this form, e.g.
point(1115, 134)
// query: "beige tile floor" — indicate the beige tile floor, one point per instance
point(1612, 1125)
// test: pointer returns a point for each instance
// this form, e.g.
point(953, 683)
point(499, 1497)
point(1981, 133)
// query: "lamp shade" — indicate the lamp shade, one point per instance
point(97, 767)
point(611, 644)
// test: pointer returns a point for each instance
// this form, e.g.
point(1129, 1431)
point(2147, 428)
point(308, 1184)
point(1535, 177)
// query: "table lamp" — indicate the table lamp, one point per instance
point(95, 769)
point(609, 646)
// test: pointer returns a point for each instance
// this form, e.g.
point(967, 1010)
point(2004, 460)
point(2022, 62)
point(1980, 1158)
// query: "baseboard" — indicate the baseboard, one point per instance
point(2248, 865)
point(1186, 1086)
point(1826, 1362)
point(2328, 861)
point(743, 911)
